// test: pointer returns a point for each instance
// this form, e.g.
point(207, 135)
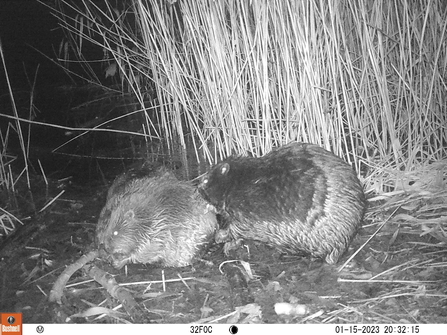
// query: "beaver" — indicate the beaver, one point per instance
point(153, 218)
point(299, 197)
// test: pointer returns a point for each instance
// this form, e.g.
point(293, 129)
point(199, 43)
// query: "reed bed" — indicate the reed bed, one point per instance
point(365, 79)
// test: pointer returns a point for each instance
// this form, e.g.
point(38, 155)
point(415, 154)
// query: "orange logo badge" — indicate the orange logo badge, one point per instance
point(11, 324)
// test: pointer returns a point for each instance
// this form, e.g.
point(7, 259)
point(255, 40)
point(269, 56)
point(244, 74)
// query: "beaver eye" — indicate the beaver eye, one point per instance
point(115, 233)
point(205, 180)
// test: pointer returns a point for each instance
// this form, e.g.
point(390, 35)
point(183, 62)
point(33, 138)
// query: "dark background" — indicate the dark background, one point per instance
point(26, 25)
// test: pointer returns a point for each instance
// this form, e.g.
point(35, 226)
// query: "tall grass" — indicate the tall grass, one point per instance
point(8, 179)
point(5, 159)
point(365, 79)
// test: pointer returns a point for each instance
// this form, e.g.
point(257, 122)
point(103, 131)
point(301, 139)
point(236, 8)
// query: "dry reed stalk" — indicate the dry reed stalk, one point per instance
point(269, 72)
point(364, 79)
point(24, 146)
point(7, 179)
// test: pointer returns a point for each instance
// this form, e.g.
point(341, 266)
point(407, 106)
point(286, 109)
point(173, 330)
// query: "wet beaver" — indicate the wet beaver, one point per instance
point(153, 219)
point(299, 197)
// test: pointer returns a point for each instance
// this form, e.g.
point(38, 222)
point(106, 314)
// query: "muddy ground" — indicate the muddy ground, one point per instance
point(398, 277)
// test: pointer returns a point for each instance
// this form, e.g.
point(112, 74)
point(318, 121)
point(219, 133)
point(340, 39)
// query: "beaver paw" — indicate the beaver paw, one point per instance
point(232, 245)
point(222, 236)
point(210, 209)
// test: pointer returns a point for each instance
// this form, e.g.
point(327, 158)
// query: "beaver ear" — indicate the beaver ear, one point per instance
point(224, 168)
point(130, 214)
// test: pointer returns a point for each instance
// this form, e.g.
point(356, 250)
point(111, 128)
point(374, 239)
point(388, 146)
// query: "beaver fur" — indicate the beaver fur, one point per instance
point(153, 219)
point(299, 197)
